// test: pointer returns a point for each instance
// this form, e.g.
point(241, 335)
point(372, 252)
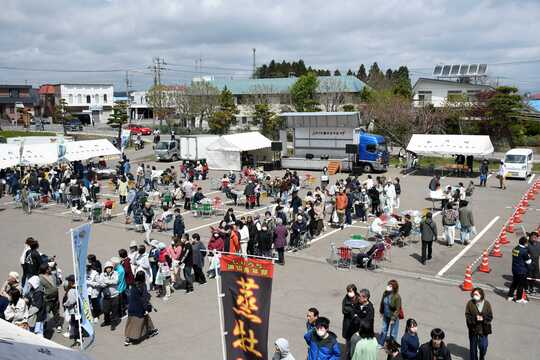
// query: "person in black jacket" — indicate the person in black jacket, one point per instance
point(179, 227)
point(365, 309)
point(265, 241)
point(139, 324)
point(428, 234)
point(37, 310)
point(520, 260)
point(349, 308)
point(435, 349)
point(32, 260)
point(186, 259)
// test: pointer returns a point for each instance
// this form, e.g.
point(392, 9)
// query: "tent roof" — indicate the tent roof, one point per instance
point(240, 142)
point(476, 145)
point(82, 150)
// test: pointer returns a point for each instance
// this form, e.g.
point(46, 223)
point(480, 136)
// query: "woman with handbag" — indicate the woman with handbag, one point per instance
point(139, 325)
point(391, 311)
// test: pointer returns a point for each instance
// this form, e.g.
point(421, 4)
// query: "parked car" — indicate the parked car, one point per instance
point(138, 129)
point(74, 125)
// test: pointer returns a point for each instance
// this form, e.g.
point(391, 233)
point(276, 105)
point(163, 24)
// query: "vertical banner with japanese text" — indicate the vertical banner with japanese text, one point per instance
point(80, 238)
point(247, 287)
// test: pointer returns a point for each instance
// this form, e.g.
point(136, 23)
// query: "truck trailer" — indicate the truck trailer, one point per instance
point(185, 147)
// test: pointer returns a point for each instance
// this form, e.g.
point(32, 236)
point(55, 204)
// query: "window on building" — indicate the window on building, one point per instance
point(244, 120)
point(96, 98)
point(79, 98)
point(105, 98)
point(424, 96)
point(454, 95)
point(472, 95)
point(14, 93)
point(88, 100)
point(70, 99)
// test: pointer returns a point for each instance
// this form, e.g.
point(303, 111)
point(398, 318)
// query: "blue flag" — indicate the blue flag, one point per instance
point(80, 237)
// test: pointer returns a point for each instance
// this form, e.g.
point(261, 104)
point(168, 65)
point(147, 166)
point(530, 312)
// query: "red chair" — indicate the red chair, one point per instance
point(377, 258)
point(345, 257)
point(388, 249)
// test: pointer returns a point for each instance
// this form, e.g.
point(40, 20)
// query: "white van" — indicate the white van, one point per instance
point(519, 163)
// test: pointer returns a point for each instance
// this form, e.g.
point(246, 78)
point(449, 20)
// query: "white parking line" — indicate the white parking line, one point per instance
point(462, 252)
point(328, 234)
point(531, 179)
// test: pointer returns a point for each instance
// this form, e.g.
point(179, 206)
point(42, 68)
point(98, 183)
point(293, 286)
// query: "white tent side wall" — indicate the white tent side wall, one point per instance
point(442, 145)
point(224, 160)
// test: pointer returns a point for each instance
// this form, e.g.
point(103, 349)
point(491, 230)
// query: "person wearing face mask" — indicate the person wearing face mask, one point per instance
point(243, 230)
point(141, 263)
point(281, 350)
point(409, 341)
point(265, 242)
point(390, 310)
point(70, 306)
point(349, 308)
point(435, 349)
point(109, 285)
point(322, 343)
point(478, 315)
point(520, 260)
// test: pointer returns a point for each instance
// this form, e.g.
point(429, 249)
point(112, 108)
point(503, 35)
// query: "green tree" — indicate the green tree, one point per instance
point(502, 113)
point(350, 73)
point(361, 74)
point(119, 117)
point(337, 72)
point(270, 123)
point(402, 82)
point(349, 108)
point(61, 115)
point(222, 120)
point(303, 93)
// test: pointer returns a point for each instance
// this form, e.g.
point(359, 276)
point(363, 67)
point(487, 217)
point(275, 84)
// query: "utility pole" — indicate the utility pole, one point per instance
point(128, 101)
point(254, 66)
point(156, 67)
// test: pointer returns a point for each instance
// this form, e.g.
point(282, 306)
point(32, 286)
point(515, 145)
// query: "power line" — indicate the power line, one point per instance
point(14, 68)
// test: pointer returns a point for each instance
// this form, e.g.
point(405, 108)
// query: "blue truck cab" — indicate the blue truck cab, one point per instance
point(372, 152)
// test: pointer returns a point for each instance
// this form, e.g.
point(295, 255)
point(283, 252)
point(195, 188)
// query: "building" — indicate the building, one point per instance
point(14, 99)
point(438, 92)
point(333, 92)
point(92, 103)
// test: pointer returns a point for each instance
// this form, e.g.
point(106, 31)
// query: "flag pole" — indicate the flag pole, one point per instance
point(76, 289)
point(220, 295)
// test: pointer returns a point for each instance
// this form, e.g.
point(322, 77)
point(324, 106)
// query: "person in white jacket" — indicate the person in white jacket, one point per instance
point(94, 288)
point(17, 310)
point(142, 263)
point(281, 350)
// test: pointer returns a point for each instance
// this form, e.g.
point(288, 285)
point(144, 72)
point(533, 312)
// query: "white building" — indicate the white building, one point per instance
point(437, 92)
point(94, 100)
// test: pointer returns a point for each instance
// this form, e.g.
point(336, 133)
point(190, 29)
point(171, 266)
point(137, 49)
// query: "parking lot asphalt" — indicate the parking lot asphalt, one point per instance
point(189, 326)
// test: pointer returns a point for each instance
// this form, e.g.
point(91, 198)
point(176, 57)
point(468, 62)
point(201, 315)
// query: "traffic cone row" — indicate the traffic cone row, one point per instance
point(503, 239)
point(517, 217)
point(467, 282)
point(510, 227)
point(496, 252)
point(484, 266)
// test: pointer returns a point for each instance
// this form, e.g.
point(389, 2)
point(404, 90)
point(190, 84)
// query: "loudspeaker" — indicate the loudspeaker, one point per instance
point(325, 156)
point(277, 146)
point(309, 156)
point(351, 148)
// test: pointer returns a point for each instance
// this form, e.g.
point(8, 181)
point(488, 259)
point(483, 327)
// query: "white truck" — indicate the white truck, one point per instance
point(185, 147)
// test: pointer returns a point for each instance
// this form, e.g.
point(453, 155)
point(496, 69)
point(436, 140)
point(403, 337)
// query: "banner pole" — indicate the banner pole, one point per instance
point(76, 289)
point(220, 311)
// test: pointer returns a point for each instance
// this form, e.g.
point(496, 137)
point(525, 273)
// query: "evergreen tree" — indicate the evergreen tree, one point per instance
point(222, 120)
point(350, 73)
point(119, 117)
point(303, 93)
point(361, 74)
point(337, 72)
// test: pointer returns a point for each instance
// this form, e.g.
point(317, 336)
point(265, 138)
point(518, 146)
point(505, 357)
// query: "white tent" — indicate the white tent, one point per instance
point(19, 344)
point(83, 150)
point(476, 145)
point(225, 152)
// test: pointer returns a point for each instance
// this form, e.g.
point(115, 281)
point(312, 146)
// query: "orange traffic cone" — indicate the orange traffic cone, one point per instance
point(496, 252)
point(517, 218)
point(467, 282)
point(521, 209)
point(484, 266)
point(510, 227)
point(503, 238)
point(525, 201)
point(530, 195)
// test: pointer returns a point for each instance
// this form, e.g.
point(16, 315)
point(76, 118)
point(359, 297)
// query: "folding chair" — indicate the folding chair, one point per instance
point(377, 257)
point(345, 257)
point(388, 249)
point(206, 209)
point(219, 207)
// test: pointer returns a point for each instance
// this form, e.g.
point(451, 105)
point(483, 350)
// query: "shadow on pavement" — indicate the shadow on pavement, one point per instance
point(458, 351)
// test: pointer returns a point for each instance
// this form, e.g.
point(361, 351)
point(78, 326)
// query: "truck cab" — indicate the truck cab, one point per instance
point(372, 152)
point(168, 150)
point(519, 163)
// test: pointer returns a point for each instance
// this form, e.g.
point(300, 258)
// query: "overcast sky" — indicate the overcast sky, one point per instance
point(127, 34)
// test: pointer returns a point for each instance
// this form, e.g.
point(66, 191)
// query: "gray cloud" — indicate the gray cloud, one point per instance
point(98, 34)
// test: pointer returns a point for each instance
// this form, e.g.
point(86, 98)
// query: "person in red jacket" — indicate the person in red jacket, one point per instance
point(341, 206)
point(232, 245)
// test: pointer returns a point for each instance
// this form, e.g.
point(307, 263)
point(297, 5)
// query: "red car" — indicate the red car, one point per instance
point(138, 129)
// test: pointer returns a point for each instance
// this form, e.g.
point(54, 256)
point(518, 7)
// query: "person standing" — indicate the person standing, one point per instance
point(484, 170)
point(478, 316)
point(449, 220)
point(139, 325)
point(349, 308)
point(280, 240)
point(187, 188)
point(534, 253)
point(501, 175)
point(322, 343)
point(186, 259)
point(311, 316)
point(148, 215)
point(179, 226)
point(435, 348)
point(397, 187)
point(50, 282)
point(466, 221)
point(390, 310)
point(70, 306)
point(37, 311)
point(409, 341)
point(281, 350)
point(365, 344)
point(111, 306)
point(199, 254)
point(123, 189)
point(428, 234)
point(520, 260)
point(365, 310)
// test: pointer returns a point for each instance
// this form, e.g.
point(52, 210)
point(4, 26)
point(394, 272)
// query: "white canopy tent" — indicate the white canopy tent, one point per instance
point(19, 344)
point(49, 153)
point(443, 145)
point(225, 152)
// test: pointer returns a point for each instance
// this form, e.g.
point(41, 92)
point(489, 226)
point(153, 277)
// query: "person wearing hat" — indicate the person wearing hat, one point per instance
point(69, 303)
point(109, 285)
point(435, 349)
point(11, 283)
point(37, 311)
point(298, 229)
point(281, 350)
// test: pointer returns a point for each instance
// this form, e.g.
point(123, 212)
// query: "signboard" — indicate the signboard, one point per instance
point(247, 287)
